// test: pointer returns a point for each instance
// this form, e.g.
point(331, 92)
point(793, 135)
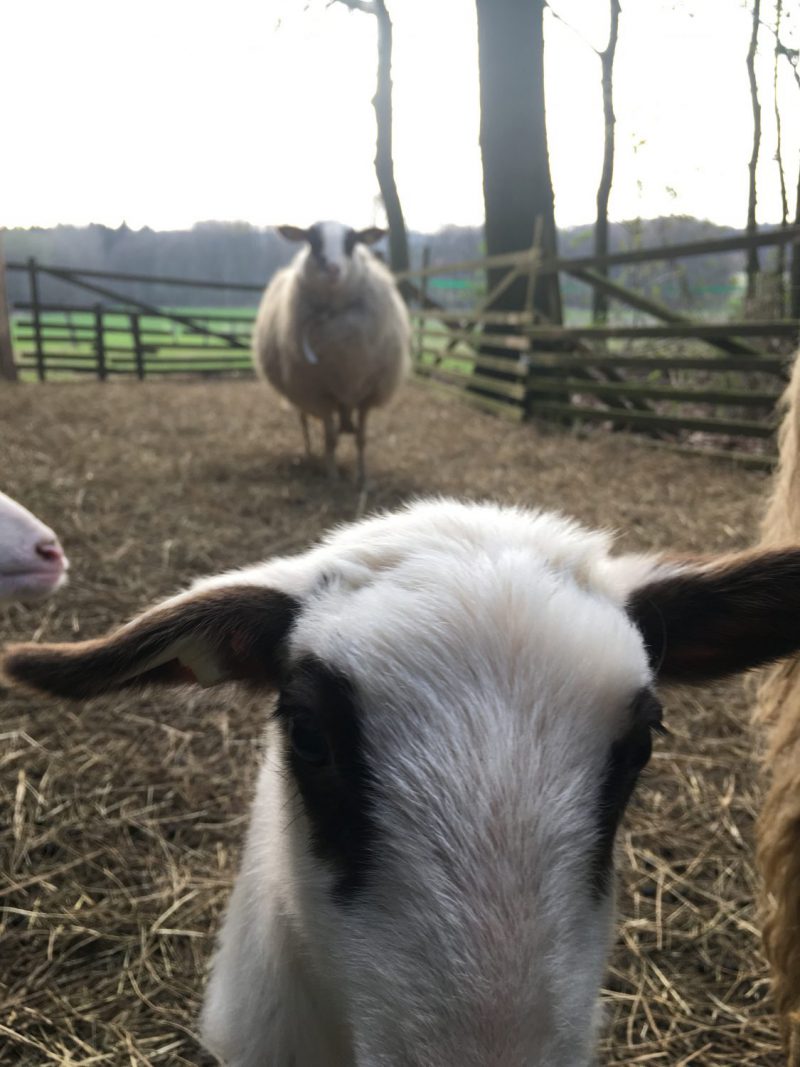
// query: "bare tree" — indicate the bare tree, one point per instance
point(752, 253)
point(384, 157)
point(780, 261)
point(599, 298)
point(606, 56)
point(792, 57)
point(517, 187)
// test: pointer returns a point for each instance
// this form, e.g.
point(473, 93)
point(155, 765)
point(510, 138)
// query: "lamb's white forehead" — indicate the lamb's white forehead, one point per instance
point(479, 609)
point(332, 237)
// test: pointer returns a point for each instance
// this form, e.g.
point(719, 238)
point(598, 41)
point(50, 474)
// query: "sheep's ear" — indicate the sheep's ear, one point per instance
point(203, 638)
point(706, 620)
point(370, 236)
point(293, 233)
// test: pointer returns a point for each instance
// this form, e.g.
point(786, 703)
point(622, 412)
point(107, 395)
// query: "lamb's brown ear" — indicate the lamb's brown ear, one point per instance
point(293, 233)
point(232, 633)
point(370, 236)
point(708, 620)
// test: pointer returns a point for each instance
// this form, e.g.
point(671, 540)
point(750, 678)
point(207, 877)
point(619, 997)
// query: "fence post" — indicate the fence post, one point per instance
point(36, 314)
point(138, 351)
point(8, 368)
point(100, 342)
point(423, 300)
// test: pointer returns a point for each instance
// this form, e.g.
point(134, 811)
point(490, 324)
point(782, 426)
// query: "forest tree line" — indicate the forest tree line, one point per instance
point(239, 252)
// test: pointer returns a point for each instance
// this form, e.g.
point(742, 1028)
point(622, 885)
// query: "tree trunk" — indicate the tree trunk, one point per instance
point(600, 298)
point(780, 251)
point(384, 159)
point(517, 188)
point(8, 368)
point(752, 253)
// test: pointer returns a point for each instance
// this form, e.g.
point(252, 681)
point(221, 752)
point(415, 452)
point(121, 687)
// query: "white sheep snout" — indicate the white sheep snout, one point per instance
point(32, 562)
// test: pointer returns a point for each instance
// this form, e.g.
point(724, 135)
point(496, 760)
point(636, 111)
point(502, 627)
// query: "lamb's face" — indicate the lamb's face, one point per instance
point(331, 248)
point(464, 731)
point(32, 562)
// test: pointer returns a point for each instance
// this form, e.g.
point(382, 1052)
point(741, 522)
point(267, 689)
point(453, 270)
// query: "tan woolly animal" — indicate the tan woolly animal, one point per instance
point(332, 333)
point(778, 708)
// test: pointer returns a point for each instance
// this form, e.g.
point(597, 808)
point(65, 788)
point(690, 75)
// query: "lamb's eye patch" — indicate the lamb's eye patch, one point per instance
point(628, 757)
point(320, 719)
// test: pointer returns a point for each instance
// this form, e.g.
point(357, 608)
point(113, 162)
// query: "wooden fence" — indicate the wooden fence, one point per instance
point(126, 336)
point(694, 383)
point(689, 381)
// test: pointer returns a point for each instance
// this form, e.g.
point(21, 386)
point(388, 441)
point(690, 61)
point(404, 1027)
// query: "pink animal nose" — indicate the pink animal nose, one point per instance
point(334, 270)
point(50, 550)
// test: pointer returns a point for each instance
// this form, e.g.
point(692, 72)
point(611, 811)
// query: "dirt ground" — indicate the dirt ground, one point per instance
point(122, 820)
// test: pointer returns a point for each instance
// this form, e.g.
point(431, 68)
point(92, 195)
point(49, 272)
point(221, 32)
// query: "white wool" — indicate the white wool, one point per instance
point(333, 343)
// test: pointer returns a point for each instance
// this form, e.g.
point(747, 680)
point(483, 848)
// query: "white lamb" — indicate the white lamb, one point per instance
point(332, 333)
point(466, 699)
point(32, 562)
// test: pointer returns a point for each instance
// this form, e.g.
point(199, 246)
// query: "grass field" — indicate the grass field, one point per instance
point(70, 342)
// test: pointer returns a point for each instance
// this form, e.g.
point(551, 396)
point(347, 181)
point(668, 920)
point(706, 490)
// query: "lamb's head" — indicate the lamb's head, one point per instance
point(334, 250)
point(466, 700)
point(32, 562)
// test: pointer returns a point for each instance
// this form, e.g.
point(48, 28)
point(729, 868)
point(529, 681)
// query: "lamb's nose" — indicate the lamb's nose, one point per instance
point(334, 270)
point(50, 550)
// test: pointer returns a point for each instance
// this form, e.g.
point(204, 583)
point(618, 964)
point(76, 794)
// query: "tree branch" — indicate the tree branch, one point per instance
point(792, 55)
point(574, 29)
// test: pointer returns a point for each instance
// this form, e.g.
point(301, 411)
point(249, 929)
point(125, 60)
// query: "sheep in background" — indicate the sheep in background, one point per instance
point(778, 708)
point(466, 700)
point(332, 333)
point(32, 562)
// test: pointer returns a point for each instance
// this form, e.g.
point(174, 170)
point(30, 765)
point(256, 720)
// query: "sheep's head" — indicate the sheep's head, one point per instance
point(331, 248)
point(32, 562)
point(466, 700)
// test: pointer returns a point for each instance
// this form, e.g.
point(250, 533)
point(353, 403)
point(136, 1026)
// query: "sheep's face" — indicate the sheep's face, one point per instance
point(464, 729)
point(331, 247)
point(465, 704)
point(32, 562)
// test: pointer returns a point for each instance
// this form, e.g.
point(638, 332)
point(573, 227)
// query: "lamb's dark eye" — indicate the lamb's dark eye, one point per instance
point(308, 742)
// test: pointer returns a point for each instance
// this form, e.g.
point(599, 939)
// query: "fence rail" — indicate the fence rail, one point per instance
point(722, 380)
point(107, 342)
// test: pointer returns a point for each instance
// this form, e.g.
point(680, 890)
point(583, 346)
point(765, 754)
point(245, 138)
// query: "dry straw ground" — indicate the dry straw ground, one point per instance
point(121, 821)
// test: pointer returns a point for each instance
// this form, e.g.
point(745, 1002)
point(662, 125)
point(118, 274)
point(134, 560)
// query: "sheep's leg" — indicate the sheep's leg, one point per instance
point(345, 420)
point(331, 439)
point(361, 444)
point(306, 434)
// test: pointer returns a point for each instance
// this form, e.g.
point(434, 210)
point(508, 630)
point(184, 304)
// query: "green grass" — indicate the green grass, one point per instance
point(69, 342)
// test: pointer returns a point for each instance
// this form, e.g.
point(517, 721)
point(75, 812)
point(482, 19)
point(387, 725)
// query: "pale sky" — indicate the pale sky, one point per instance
point(168, 112)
